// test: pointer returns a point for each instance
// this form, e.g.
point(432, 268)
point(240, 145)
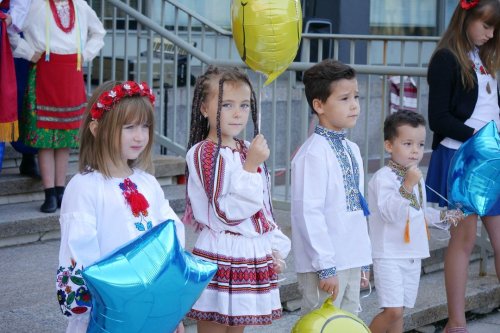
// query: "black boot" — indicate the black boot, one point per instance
point(50, 203)
point(29, 167)
point(59, 194)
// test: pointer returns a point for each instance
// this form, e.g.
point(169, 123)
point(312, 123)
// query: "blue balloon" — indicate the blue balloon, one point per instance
point(474, 175)
point(147, 285)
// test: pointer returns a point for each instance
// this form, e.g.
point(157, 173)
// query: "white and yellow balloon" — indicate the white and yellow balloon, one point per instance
point(329, 319)
point(267, 34)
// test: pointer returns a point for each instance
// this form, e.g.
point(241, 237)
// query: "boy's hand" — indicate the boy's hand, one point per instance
point(454, 216)
point(258, 152)
point(365, 279)
point(413, 175)
point(331, 286)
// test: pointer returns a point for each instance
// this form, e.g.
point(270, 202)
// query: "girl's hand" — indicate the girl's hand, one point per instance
point(413, 175)
point(258, 152)
point(278, 263)
point(180, 328)
point(36, 57)
point(8, 19)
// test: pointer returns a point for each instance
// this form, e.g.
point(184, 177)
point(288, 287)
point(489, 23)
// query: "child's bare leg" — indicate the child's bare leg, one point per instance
point(236, 329)
point(397, 327)
point(211, 327)
point(492, 225)
point(390, 320)
point(456, 264)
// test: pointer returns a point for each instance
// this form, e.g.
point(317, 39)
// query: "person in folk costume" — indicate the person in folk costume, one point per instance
point(60, 36)
point(8, 94)
point(229, 202)
point(18, 11)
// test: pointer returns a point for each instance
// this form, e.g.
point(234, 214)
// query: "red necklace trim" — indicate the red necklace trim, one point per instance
point(137, 202)
point(58, 19)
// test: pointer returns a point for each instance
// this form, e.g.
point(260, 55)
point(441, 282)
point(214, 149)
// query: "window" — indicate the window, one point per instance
point(408, 17)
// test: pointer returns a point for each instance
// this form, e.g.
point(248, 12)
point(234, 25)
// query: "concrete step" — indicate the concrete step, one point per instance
point(18, 188)
point(22, 222)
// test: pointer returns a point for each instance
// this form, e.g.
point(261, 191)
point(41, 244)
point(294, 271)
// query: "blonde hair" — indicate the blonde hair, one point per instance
point(456, 40)
point(96, 151)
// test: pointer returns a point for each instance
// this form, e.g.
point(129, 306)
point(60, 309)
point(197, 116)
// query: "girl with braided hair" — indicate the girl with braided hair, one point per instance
point(228, 199)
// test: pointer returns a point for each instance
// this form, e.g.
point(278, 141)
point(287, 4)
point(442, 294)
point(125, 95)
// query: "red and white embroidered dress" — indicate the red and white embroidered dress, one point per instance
point(239, 234)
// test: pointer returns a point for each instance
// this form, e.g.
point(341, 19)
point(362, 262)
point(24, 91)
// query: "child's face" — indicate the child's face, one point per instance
point(407, 148)
point(479, 32)
point(235, 109)
point(134, 140)
point(341, 109)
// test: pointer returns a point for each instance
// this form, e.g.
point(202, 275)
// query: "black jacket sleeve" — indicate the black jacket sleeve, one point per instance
point(449, 102)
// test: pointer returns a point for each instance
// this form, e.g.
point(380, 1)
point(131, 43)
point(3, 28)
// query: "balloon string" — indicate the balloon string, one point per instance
point(363, 277)
point(439, 195)
point(259, 104)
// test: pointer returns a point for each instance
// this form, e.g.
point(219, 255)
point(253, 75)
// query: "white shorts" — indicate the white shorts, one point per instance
point(396, 281)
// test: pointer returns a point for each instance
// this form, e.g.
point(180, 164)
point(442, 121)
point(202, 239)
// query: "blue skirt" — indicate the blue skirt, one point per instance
point(437, 178)
point(437, 174)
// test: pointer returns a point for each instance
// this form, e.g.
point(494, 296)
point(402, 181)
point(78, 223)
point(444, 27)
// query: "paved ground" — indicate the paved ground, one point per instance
point(28, 303)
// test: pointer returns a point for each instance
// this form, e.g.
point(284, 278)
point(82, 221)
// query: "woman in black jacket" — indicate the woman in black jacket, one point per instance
point(463, 97)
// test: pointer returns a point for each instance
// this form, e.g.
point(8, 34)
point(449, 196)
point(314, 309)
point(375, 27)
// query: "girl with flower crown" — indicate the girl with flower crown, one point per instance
point(59, 35)
point(463, 97)
point(114, 198)
point(229, 201)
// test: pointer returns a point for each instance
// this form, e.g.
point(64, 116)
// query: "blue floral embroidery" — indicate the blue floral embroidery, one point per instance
point(350, 169)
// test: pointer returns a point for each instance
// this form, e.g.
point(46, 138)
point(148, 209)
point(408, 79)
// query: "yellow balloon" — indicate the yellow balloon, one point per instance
point(329, 319)
point(267, 33)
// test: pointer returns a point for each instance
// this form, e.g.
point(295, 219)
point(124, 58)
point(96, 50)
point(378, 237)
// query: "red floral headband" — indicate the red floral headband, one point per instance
point(468, 4)
point(110, 98)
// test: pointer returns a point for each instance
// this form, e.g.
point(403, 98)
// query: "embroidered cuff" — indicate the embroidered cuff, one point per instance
point(365, 268)
point(408, 196)
point(326, 273)
point(405, 193)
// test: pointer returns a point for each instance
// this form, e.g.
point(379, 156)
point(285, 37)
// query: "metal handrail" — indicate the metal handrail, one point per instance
point(298, 66)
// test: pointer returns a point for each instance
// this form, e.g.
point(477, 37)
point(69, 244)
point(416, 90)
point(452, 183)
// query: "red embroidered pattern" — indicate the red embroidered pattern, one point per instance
point(203, 159)
point(58, 19)
point(137, 203)
point(481, 70)
point(241, 275)
point(204, 156)
point(235, 320)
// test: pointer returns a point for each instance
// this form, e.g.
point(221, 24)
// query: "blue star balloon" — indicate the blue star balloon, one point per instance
point(147, 285)
point(474, 175)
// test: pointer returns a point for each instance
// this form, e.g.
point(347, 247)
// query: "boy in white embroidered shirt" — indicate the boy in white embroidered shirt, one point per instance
point(399, 220)
point(329, 229)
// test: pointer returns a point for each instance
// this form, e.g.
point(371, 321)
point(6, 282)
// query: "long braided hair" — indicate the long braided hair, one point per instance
point(206, 85)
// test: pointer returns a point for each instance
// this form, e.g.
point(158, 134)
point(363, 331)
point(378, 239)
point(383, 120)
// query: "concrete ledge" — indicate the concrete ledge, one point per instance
point(12, 183)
